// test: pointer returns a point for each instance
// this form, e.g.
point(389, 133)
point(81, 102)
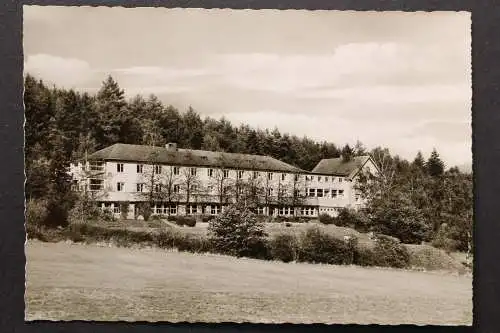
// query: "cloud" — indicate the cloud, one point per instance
point(65, 72)
point(349, 65)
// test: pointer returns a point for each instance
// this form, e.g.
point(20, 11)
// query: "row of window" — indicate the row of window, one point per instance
point(325, 179)
point(324, 193)
point(169, 209)
point(210, 172)
point(141, 187)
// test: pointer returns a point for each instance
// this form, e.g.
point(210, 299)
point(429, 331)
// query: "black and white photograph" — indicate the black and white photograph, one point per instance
point(258, 166)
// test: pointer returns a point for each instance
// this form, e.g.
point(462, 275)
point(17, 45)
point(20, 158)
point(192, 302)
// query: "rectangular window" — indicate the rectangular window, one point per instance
point(158, 188)
point(214, 210)
point(157, 169)
point(191, 209)
point(270, 175)
point(319, 179)
point(255, 174)
point(176, 188)
point(116, 208)
point(193, 171)
point(296, 177)
point(283, 176)
point(140, 187)
point(341, 193)
point(240, 174)
point(210, 172)
point(139, 168)
point(225, 173)
point(319, 192)
point(270, 191)
point(326, 179)
point(173, 210)
point(176, 171)
point(326, 193)
point(260, 210)
point(120, 186)
point(311, 192)
point(340, 179)
point(334, 193)
point(119, 167)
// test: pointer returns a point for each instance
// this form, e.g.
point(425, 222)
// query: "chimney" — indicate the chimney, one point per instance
point(172, 146)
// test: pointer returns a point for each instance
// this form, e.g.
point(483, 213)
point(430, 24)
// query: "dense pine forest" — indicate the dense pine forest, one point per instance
point(423, 200)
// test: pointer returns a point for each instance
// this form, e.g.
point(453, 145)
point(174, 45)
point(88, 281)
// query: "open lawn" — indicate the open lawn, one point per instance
point(70, 282)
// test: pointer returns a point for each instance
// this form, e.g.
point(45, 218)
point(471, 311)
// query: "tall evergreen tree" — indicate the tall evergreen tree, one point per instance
point(435, 166)
point(419, 162)
point(110, 105)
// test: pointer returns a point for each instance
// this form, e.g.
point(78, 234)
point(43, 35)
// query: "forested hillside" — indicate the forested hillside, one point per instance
point(63, 125)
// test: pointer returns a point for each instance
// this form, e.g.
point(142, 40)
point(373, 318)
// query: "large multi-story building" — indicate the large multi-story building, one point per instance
point(184, 181)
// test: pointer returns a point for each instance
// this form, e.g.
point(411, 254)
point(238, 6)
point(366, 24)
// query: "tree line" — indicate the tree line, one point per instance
point(63, 126)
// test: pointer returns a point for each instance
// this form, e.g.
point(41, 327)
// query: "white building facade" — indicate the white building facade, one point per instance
point(195, 182)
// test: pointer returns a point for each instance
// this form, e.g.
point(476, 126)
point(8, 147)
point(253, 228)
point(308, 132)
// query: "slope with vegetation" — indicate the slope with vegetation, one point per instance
point(414, 201)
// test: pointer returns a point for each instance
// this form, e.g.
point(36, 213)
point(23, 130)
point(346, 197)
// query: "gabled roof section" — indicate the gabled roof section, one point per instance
point(339, 167)
point(188, 157)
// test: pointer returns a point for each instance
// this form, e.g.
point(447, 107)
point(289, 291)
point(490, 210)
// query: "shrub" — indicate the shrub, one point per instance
point(193, 244)
point(237, 231)
point(36, 214)
point(207, 218)
point(389, 252)
point(284, 247)
point(166, 239)
point(184, 220)
point(325, 219)
point(190, 221)
point(397, 215)
point(288, 224)
point(443, 239)
point(355, 219)
point(317, 246)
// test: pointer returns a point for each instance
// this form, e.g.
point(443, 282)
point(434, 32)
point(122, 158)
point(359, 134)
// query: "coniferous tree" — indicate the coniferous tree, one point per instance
point(434, 165)
point(419, 162)
point(110, 105)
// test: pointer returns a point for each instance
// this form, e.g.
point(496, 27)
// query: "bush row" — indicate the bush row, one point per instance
point(316, 246)
point(312, 246)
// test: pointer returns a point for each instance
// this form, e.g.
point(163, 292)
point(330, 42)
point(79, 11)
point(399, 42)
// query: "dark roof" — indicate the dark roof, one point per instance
point(338, 167)
point(162, 155)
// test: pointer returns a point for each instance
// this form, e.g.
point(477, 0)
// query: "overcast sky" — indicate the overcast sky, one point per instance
point(400, 80)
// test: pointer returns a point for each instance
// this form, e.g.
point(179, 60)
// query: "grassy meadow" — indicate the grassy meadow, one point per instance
point(77, 281)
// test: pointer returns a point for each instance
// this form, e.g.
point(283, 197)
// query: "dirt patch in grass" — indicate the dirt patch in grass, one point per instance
point(70, 282)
